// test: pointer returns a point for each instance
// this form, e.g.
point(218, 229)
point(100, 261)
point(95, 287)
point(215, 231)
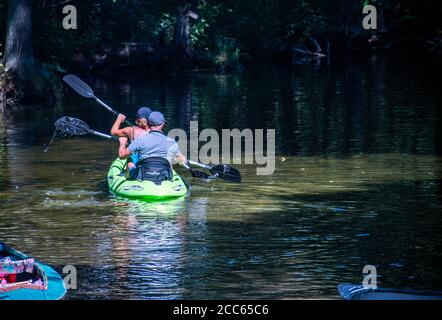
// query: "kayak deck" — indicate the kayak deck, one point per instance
point(358, 292)
point(24, 278)
point(143, 190)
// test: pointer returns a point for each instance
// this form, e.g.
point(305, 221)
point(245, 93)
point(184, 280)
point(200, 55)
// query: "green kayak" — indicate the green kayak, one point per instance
point(143, 190)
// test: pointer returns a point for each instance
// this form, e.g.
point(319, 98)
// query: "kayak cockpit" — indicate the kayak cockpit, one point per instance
point(19, 272)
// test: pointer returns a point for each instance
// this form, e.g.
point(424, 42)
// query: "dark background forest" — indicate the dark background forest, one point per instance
point(135, 36)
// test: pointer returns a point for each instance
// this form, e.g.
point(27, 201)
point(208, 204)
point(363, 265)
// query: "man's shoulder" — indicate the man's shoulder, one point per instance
point(169, 139)
point(172, 143)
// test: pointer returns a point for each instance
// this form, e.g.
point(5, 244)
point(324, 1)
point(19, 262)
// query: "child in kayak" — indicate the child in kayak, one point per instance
point(131, 133)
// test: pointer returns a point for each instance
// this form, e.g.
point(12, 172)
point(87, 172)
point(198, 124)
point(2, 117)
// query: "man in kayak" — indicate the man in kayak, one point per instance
point(131, 133)
point(156, 152)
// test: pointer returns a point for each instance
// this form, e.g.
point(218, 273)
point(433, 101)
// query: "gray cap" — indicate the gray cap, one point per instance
point(156, 118)
point(144, 112)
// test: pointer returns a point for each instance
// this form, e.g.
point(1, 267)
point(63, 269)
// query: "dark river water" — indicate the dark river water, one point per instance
point(358, 181)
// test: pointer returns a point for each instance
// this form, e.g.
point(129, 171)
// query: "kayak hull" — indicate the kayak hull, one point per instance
point(53, 287)
point(358, 292)
point(143, 190)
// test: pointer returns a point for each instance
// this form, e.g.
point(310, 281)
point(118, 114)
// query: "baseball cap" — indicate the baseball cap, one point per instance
point(156, 118)
point(144, 112)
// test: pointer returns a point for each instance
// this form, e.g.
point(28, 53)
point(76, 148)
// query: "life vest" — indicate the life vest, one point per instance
point(155, 169)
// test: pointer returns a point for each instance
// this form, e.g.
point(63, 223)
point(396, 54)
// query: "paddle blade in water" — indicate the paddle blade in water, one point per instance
point(81, 87)
point(72, 126)
point(199, 174)
point(226, 172)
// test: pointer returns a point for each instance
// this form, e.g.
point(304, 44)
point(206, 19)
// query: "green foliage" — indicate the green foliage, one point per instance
point(165, 27)
point(226, 53)
point(202, 31)
point(307, 20)
point(255, 25)
point(198, 32)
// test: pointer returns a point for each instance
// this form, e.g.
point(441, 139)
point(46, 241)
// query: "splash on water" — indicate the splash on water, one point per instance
point(57, 135)
point(54, 137)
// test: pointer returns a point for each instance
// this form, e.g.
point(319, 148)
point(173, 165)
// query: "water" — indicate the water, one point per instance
point(357, 181)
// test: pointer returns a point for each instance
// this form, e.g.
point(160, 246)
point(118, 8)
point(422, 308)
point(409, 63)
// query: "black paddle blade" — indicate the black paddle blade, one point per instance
point(72, 126)
point(226, 172)
point(81, 87)
point(199, 174)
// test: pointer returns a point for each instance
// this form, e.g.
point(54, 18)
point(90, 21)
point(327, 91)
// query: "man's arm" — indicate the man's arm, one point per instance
point(178, 156)
point(123, 151)
point(116, 131)
point(181, 158)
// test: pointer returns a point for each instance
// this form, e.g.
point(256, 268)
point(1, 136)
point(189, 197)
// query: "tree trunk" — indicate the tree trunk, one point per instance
point(181, 41)
point(24, 79)
point(182, 29)
point(19, 56)
point(351, 11)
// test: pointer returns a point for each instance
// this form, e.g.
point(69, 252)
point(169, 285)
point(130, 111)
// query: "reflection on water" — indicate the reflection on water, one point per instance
point(357, 181)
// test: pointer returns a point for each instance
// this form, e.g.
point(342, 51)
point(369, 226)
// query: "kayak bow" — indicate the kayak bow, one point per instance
point(359, 292)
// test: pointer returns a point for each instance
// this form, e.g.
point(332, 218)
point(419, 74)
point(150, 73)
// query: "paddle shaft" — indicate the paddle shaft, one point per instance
point(106, 106)
point(197, 164)
point(103, 135)
point(83, 89)
point(195, 173)
point(106, 136)
point(86, 91)
point(186, 166)
point(115, 113)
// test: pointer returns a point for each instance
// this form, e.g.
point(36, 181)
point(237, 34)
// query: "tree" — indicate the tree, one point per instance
point(19, 56)
point(181, 40)
point(23, 79)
